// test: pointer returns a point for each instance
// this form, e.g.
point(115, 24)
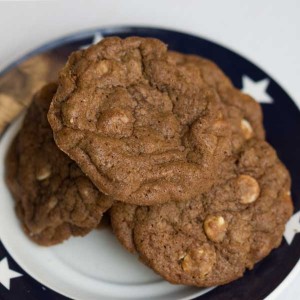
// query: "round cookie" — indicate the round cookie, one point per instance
point(144, 129)
point(54, 199)
point(240, 109)
point(243, 112)
point(212, 239)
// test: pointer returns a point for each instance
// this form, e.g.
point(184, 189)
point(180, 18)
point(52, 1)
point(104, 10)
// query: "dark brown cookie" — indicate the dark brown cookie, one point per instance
point(144, 128)
point(212, 239)
point(54, 199)
point(242, 111)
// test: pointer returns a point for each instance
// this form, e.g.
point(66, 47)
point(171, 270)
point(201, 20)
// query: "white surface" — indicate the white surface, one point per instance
point(90, 269)
point(266, 31)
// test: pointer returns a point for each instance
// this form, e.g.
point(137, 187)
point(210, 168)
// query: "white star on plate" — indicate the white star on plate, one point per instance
point(97, 38)
point(257, 89)
point(292, 227)
point(6, 274)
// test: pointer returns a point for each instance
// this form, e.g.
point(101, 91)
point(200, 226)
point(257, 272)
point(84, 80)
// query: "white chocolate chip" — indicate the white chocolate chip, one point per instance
point(215, 228)
point(43, 173)
point(186, 263)
point(246, 129)
point(181, 257)
point(102, 67)
point(124, 118)
point(199, 260)
point(52, 202)
point(85, 191)
point(247, 189)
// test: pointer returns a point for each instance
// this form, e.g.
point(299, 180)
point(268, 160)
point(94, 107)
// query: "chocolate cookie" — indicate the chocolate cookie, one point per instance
point(54, 199)
point(213, 238)
point(144, 128)
point(122, 220)
point(242, 111)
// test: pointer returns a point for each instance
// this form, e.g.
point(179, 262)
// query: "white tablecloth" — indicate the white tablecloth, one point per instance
point(265, 31)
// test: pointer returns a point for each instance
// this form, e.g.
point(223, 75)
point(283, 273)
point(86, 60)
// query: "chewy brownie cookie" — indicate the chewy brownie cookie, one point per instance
point(243, 113)
point(213, 238)
point(54, 199)
point(144, 128)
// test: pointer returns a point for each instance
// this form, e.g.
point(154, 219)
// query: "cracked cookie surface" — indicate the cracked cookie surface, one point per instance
point(144, 128)
point(213, 238)
point(54, 199)
point(242, 111)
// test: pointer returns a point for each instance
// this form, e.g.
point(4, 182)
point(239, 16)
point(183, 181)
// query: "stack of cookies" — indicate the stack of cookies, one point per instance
point(166, 145)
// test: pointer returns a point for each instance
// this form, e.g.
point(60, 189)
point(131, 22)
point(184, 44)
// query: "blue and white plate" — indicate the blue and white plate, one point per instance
point(96, 266)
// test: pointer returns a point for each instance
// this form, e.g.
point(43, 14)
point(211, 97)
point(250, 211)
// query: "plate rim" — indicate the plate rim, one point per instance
point(76, 35)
